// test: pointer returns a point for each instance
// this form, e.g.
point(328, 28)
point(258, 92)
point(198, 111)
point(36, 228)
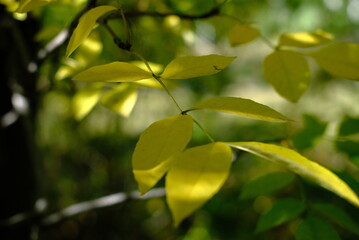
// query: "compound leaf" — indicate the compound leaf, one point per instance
point(339, 59)
point(121, 99)
point(195, 66)
point(300, 165)
point(85, 26)
point(195, 176)
point(305, 39)
point(241, 106)
point(113, 72)
point(242, 33)
point(281, 211)
point(157, 144)
point(29, 5)
point(288, 72)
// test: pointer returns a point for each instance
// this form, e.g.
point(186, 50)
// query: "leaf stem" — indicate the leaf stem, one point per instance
point(203, 130)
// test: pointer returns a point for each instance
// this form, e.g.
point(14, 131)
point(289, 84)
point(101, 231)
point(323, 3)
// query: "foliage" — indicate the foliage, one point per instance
point(196, 170)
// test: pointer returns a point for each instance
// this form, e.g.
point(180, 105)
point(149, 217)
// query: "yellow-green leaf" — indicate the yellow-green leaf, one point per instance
point(305, 39)
point(195, 176)
point(85, 26)
point(288, 72)
point(113, 72)
point(241, 106)
point(157, 144)
point(195, 66)
point(85, 99)
point(339, 59)
point(121, 99)
point(302, 166)
point(242, 33)
point(29, 5)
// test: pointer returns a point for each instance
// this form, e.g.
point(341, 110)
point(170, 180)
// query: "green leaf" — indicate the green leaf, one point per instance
point(157, 144)
point(313, 228)
point(121, 99)
point(85, 26)
point(338, 216)
point(242, 33)
point(29, 5)
point(113, 72)
point(241, 106)
point(195, 176)
point(85, 99)
point(300, 165)
point(195, 66)
point(281, 211)
point(288, 72)
point(266, 184)
point(306, 137)
point(348, 137)
point(339, 59)
point(305, 39)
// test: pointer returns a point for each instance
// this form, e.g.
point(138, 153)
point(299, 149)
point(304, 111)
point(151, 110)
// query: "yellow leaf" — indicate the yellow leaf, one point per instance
point(113, 72)
point(301, 166)
point(85, 26)
point(339, 59)
point(85, 99)
point(305, 39)
point(241, 106)
point(242, 33)
point(29, 5)
point(195, 66)
point(157, 144)
point(195, 176)
point(121, 99)
point(288, 72)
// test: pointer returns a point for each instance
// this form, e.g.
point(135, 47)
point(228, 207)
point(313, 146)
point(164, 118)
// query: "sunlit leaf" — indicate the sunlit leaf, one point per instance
point(113, 72)
point(266, 184)
point(300, 165)
point(29, 5)
point(85, 99)
point(241, 106)
point(163, 139)
point(313, 228)
point(340, 59)
point(85, 26)
point(281, 211)
point(305, 39)
point(195, 176)
point(242, 33)
point(121, 99)
point(288, 72)
point(196, 66)
point(338, 216)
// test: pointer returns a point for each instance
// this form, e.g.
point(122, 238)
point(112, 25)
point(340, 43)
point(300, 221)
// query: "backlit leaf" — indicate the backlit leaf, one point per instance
point(288, 72)
point(338, 216)
point(241, 106)
point(242, 33)
point(157, 144)
point(339, 59)
point(300, 165)
point(195, 176)
point(313, 228)
point(281, 211)
point(85, 99)
point(266, 184)
point(305, 39)
point(121, 99)
point(29, 5)
point(196, 66)
point(113, 72)
point(85, 26)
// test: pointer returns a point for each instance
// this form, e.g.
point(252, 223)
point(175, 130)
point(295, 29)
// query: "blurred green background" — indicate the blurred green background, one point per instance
point(83, 158)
